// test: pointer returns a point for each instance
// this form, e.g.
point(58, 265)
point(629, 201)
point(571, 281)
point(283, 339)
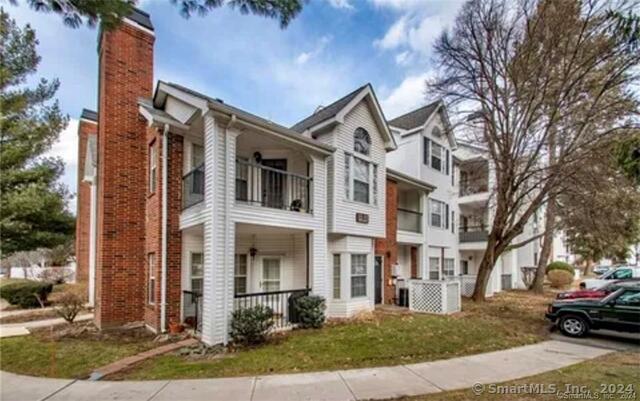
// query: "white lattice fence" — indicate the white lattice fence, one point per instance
point(434, 296)
point(468, 283)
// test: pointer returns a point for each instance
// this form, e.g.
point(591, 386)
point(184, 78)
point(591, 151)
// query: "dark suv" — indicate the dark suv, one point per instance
point(619, 311)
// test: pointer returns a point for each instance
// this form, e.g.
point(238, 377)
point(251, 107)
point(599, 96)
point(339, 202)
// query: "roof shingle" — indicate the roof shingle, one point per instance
point(415, 118)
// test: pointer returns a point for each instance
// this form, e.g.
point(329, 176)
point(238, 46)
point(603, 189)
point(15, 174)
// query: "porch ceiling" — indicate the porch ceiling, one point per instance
point(244, 229)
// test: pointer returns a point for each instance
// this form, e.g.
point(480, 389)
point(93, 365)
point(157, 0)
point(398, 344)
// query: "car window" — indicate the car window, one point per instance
point(629, 298)
point(622, 273)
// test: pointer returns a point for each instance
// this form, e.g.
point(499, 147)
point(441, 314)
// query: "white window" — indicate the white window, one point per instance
point(240, 274)
point(271, 274)
point(197, 155)
point(436, 211)
point(336, 276)
point(448, 268)
point(153, 167)
point(197, 272)
point(361, 181)
point(434, 268)
point(358, 275)
point(436, 156)
point(361, 141)
point(151, 289)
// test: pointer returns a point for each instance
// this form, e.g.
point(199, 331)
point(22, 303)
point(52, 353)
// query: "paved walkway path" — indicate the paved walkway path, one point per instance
point(22, 329)
point(343, 385)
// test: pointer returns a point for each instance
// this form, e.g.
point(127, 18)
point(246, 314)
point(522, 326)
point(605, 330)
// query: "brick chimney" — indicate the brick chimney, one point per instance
point(88, 125)
point(125, 75)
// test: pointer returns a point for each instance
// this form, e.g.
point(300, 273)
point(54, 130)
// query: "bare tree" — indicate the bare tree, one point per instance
point(530, 73)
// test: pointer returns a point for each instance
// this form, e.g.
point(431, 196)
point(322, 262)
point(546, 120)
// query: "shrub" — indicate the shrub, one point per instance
point(26, 294)
point(558, 265)
point(69, 305)
point(310, 310)
point(560, 278)
point(250, 326)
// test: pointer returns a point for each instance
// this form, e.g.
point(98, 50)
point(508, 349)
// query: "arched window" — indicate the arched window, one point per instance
point(361, 141)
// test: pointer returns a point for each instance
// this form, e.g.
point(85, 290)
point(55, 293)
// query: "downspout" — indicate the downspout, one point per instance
point(227, 223)
point(163, 282)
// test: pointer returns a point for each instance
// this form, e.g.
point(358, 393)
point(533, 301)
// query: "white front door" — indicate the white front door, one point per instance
point(271, 274)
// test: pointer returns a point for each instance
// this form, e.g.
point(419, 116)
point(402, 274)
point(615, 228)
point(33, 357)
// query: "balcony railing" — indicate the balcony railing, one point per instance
point(470, 187)
point(473, 234)
point(281, 303)
point(270, 187)
point(193, 187)
point(409, 220)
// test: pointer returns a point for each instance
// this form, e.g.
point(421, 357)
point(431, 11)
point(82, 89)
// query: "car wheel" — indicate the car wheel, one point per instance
point(573, 326)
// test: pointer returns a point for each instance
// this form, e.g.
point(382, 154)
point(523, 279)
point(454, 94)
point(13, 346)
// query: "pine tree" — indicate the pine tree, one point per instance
point(33, 210)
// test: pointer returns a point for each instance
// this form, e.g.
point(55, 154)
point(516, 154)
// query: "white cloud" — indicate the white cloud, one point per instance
point(410, 94)
point(320, 46)
point(419, 23)
point(66, 147)
point(341, 4)
point(395, 36)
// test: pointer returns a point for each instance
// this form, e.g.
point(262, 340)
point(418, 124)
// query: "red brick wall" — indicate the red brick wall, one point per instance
point(388, 247)
point(125, 74)
point(83, 204)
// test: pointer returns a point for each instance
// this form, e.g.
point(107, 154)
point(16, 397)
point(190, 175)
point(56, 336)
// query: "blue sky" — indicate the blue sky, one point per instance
point(332, 47)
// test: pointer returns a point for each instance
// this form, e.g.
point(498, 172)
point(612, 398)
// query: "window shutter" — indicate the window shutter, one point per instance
point(446, 216)
point(447, 162)
point(453, 221)
point(347, 176)
point(425, 154)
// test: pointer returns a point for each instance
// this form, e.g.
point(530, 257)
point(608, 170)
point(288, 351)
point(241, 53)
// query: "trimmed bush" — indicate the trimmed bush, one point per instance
point(558, 265)
point(250, 326)
point(26, 294)
point(70, 305)
point(310, 310)
point(560, 278)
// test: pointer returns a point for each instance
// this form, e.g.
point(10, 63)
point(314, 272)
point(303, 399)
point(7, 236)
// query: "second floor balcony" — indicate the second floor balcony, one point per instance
point(193, 187)
point(409, 220)
point(476, 233)
point(271, 185)
point(470, 187)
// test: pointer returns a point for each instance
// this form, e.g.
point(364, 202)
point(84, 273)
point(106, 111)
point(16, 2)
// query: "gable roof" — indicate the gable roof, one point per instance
point(336, 111)
point(415, 118)
point(327, 112)
point(164, 89)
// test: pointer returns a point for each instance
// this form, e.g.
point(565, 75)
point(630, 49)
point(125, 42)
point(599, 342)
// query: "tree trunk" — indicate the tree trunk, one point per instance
point(538, 281)
point(484, 273)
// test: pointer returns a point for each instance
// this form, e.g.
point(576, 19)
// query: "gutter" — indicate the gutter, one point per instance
point(163, 282)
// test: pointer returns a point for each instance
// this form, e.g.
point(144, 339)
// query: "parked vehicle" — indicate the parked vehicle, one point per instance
point(621, 273)
point(619, 311)
point(602, 269)
point(595, 293)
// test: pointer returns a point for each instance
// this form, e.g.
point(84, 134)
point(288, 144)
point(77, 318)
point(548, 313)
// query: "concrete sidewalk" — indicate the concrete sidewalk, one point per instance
point(343, 385)
point(22, 329)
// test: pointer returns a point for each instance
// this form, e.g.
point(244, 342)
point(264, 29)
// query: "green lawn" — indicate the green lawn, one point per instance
point(508, 320)
point(67, 358)
point(613, 369)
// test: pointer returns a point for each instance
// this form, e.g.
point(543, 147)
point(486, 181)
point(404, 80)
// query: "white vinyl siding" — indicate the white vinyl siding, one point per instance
point(358, 275)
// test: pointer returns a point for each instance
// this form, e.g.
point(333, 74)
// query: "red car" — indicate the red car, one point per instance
point(594, 293)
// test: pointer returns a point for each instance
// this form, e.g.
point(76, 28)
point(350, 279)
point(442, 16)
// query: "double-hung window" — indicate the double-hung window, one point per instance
point(436, 156)
point(153, 167)
point(360, 174)
point(197, 272)
point(434, 268)
point(336, 276)
point(151, 281)
point(358, 275)
point(240, 274)
point(448, 268)
point(438, 214)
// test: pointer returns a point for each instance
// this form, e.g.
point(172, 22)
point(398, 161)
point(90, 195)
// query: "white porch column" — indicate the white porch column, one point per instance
point(320, 268)
point(219, 231)
point(424, 257)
